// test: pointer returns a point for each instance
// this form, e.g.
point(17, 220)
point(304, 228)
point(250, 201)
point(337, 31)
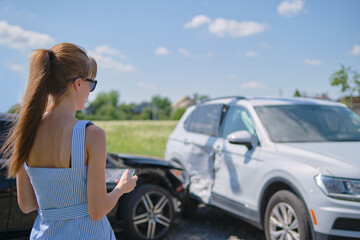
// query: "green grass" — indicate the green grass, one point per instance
point(147, 138)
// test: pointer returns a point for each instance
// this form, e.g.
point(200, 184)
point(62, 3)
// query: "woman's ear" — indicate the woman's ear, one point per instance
point(77, 84)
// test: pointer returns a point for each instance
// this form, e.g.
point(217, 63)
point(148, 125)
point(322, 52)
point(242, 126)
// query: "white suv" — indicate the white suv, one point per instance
point(290, 166)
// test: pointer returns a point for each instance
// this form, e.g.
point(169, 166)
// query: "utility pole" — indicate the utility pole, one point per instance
point(153, 107)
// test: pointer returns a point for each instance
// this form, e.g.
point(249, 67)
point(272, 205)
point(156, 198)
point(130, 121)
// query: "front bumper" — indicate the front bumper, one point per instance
point(336, 219)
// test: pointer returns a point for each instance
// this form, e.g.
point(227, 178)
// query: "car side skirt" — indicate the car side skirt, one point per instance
point(235, 209)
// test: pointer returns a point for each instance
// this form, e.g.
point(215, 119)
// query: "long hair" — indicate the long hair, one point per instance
point(49, 71)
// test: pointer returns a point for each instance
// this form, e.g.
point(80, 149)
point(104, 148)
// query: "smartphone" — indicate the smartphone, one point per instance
point(132, 172)
point(112, 174)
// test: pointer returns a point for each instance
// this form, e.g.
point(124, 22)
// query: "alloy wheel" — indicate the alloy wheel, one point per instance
point(283, 224)
point(152, 215)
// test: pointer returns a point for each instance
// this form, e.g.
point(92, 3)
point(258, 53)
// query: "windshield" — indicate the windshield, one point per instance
point(310, 123)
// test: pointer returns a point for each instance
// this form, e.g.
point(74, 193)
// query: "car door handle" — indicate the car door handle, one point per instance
point(186, 141)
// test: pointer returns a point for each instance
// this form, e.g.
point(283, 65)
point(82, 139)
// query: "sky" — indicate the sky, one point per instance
point(178, 48)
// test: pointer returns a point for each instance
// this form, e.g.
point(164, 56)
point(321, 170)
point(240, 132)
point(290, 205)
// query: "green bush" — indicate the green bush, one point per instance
point(177, 113)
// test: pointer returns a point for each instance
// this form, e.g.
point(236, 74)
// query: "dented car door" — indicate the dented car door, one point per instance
point(203, 127)
point(235, 165)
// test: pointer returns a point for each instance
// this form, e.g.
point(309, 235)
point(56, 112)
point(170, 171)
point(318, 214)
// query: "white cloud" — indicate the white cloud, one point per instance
point(161, 51)
point(106, 62)
point(232, 76)
point(185, 52)
point(313, 62)
point(145, 85)
point(265, 45)
point(289, 8)
point(220, 27)
point(209, 55)
point(188, 54)
point(106, 50)
point(17, 67)
point(18, 38)
point(197, 21)
point(253, 84)
point(355, 51)
point(251, 54)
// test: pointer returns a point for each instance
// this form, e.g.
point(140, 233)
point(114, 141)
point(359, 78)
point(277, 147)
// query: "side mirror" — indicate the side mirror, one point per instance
point(241, 138)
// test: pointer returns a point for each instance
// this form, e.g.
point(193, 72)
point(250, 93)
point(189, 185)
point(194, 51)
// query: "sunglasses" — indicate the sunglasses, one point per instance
point(92, 82)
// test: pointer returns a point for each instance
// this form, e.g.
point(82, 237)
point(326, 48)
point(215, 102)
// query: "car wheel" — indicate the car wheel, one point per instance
point(286, 217)
point(148, 212)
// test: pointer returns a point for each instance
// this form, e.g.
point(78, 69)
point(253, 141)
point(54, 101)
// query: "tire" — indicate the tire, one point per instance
point(281, 205)
point(148, 212)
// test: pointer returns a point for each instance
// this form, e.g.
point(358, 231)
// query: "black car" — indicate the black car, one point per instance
point(145, 213)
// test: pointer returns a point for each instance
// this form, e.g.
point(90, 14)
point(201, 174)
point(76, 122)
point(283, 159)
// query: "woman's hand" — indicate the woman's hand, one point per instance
point(127, 183)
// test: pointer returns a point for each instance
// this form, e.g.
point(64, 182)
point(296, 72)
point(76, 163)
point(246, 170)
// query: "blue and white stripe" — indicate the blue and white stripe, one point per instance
point(62, 198)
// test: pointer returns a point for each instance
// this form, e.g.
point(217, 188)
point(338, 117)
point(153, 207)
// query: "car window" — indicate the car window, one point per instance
point(237, 119)
point(310, 123)
point(205, 120)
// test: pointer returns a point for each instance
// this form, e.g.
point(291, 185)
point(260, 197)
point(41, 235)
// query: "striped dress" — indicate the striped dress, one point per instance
point(62, 198)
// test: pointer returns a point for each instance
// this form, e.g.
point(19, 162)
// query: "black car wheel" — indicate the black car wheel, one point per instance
point(286, 217)
point(148, 212)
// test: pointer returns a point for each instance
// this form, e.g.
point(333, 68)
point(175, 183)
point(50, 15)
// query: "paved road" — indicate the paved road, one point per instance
point(211, 224)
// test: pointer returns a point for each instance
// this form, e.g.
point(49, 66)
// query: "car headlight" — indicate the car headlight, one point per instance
point(179, 174)
point(339, 188)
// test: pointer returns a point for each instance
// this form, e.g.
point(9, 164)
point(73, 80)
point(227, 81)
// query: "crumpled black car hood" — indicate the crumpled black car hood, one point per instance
point(123, 160)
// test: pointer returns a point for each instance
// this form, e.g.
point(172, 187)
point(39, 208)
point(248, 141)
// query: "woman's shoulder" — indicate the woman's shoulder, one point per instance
point(95, 143)
point(94, 133)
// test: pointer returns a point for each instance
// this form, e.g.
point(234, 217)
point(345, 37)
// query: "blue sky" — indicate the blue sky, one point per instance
point(177, 48)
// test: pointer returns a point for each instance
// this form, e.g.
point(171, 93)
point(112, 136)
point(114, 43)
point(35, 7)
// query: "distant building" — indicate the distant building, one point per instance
point(323, 96)
point(183, 102)
point(140, 107)
point(353, 103)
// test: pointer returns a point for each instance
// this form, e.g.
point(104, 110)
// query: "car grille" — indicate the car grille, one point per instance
point(342, 238)
point(347, 224)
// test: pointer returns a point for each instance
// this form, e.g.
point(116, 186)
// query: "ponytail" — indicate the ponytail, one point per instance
point(33, 106)
point(49, 72)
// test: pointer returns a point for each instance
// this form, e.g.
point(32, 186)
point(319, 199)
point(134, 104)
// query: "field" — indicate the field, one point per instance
point(147, 138)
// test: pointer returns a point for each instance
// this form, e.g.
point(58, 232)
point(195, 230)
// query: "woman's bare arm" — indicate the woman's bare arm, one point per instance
point(25, 192)
point(100, 202)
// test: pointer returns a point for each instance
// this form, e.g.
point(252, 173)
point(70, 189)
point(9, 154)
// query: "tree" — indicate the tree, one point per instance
point(199, 98)
point(102, 98)
point(14, 109)
point(161, 107)
point(126, 111)
point(297, 93)
point(177, 113)
point(348, 80)
point(104, 107)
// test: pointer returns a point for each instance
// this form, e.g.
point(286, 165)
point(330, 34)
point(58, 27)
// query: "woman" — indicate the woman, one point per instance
point(58, 161)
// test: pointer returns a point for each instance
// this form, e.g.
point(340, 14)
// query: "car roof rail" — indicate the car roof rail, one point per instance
point(217, 98)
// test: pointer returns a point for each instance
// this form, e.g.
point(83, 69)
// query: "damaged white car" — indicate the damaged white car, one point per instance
point(290, 166)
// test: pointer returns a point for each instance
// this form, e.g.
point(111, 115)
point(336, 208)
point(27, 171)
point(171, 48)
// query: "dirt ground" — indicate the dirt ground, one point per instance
point(210, 224)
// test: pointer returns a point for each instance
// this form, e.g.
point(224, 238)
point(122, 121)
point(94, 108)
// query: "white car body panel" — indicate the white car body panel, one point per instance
point(234, 178)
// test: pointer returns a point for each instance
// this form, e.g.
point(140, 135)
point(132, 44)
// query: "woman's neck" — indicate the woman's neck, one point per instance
point(62, 107)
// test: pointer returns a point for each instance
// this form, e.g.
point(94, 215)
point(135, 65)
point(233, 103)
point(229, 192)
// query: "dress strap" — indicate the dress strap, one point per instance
point(78, 144)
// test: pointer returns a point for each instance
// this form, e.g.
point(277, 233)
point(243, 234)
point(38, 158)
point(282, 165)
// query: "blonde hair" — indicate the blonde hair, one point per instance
point(49, 71)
